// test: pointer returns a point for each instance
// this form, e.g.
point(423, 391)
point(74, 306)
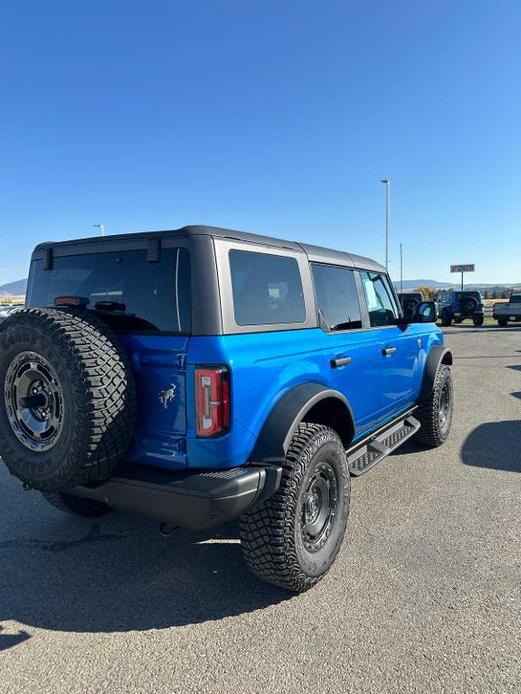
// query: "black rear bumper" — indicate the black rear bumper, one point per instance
point(194, 500)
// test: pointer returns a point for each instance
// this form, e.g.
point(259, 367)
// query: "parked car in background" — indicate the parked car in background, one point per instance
point(459, 305)
point(200, 375)
point(506, 311)
point(409, 301)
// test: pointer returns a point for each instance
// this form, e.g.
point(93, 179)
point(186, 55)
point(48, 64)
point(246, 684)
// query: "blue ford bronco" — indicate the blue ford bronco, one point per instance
point(460, 305)
point(201, 375)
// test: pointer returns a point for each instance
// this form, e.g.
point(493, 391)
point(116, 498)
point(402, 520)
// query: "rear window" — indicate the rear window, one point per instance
point(122, 287)
point(267, 289)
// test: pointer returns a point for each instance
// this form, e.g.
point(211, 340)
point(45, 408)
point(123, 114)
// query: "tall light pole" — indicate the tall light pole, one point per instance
point(101, 228)
point(387, 184)
point(401, 269)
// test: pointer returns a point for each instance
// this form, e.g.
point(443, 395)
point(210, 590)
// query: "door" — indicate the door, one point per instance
point(351, 354)
point(399, 347)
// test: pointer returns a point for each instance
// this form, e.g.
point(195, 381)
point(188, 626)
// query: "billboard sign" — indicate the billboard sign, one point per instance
point(462, 268)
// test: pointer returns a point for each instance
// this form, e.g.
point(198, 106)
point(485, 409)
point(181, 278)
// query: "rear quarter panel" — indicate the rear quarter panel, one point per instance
point(264, 366)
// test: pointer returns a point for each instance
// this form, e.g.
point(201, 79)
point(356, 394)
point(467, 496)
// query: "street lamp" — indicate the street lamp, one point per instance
point(101, 228)
point(387, 184)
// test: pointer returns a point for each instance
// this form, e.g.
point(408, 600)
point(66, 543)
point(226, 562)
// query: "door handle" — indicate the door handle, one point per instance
point(340, 361)
point(387, 351)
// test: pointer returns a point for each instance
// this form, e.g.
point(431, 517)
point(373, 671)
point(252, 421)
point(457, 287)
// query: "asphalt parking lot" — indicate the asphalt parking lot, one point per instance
point(425, 596)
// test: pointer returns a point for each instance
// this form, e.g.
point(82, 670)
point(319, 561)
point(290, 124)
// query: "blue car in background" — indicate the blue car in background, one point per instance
point(460, 305)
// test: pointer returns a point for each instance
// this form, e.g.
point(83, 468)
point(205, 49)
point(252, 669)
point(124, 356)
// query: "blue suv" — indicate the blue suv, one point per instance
point(459, 305)
point(201, 375)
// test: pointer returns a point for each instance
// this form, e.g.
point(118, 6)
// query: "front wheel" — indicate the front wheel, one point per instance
point(435, 413)
point(502, 322)
point(293, 538)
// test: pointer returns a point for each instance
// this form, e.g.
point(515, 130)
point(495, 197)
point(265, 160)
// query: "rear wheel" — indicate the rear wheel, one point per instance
point(293, 538)
point(478, 320)
point(435, 413)
point(502, 322)
point(76, 506)
point(446, 318)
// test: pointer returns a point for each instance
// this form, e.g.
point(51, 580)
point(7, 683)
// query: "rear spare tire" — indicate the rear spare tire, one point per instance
point(67, 398)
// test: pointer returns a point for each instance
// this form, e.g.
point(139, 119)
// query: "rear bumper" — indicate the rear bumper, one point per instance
point(195, 500)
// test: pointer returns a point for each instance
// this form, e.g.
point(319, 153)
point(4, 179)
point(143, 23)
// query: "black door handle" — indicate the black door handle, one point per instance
point(341, 361)
point(387, 351)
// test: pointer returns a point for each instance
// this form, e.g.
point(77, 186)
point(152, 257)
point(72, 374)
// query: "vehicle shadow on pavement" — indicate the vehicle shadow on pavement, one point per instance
point(494, 445)
point(119, 575)
point(10, 640)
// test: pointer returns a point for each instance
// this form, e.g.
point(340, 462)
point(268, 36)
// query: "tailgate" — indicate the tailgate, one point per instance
point(158, 363)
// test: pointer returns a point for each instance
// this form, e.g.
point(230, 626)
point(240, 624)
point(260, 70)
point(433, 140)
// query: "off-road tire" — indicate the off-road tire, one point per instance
point(478, 320)
point(432, 432)
point(98, 398)
point(446, 318)
point(502, 322)
point(76, 506)
point(272, 539)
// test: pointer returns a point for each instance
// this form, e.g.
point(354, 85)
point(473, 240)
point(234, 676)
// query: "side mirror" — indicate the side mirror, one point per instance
point(427, 312)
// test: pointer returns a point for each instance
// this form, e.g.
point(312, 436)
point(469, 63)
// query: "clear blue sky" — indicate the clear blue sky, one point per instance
point(270, 116)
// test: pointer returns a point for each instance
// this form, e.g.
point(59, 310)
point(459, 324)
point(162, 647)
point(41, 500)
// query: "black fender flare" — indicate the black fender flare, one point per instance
point(275, 436)
point(438, 354)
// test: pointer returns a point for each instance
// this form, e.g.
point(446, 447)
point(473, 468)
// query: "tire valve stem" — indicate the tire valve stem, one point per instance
point(26, 487)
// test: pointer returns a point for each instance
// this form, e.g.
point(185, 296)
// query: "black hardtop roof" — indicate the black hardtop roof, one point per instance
point(315, 253)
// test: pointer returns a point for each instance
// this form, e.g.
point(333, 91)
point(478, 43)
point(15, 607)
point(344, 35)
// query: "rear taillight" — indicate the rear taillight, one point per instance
point(212, 397)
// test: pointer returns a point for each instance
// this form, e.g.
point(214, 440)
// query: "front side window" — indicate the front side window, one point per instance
point(337, 296)
point(267, 289)
point(121, 286)
point(380, 305)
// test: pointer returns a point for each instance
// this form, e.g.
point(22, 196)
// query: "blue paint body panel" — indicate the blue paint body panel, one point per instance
point(263, 368)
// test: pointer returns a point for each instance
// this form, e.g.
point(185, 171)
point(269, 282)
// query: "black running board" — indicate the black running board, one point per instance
point(370, 451)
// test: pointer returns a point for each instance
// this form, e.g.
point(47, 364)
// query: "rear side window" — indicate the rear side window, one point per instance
point(337, 296)
point(380, 305)
point(130, 293)
point(267, 289)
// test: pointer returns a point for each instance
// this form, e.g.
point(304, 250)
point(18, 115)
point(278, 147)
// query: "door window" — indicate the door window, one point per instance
point(337, 296)
point(380, 304)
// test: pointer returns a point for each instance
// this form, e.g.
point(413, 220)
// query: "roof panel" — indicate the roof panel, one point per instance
point(315, 253)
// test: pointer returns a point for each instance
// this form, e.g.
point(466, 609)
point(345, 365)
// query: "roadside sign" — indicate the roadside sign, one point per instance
point(462, 268)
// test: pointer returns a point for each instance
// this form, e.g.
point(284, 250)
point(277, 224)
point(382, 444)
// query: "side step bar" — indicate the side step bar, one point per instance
point(370, 451)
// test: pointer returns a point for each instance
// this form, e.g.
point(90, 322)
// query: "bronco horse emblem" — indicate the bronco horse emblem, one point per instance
point(166, 396)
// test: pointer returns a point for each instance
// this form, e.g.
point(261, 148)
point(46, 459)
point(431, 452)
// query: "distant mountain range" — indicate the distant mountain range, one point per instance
point(18, 287)
point(434, 284)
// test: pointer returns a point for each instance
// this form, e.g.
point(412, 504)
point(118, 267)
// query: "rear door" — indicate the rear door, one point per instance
point(399, 346)
point(352, 355)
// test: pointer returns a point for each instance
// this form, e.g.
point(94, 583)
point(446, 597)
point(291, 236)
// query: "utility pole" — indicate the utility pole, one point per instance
point(401, 269)
point(387, 184)
point(101, 228)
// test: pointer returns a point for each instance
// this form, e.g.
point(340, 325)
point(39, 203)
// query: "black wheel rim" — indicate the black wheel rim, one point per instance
point(34, 401)
point(320, 501)
point(445, 408)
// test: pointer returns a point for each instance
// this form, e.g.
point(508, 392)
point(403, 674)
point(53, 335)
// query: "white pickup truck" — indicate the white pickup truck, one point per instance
point(509, 310)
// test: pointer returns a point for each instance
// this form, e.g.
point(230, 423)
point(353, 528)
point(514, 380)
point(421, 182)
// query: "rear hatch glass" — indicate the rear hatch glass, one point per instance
point(128, 292)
